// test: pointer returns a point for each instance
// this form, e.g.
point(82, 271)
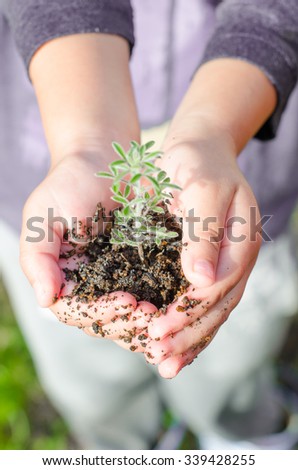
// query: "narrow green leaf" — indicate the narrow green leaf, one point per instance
point(154, 183)
point(150, 166)
point(134, 144)
point(149, 144)
point(120, 199)
point(118, 149)
point(136, 178)
point(170, 185)
point(142, 151)
point(127, 190)
point(126, 211)
point(116, 188)
point(103, 174)
point(119, 163)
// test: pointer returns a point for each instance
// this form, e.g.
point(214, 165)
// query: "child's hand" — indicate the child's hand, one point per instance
point(218, 265)
point(71, 190)
point(227, 102)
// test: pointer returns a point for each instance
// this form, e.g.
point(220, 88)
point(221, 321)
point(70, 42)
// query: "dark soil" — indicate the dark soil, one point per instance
point(112, 267)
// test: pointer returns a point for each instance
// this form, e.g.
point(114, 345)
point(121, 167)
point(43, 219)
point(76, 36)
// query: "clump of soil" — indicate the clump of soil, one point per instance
point(113, 267)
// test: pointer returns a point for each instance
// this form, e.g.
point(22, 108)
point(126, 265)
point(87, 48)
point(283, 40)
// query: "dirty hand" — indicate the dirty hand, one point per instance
point(220, 247)
point(71, 191)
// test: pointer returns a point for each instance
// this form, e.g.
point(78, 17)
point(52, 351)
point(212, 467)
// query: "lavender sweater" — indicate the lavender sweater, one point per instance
point(172, 38)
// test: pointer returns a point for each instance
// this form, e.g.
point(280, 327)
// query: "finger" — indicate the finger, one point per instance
point(137, 321)
point(197, 333)
point(143, 313)
point(204, 215)
point(40, 247)
point(118, 329)
point(193, 305)
point(127, 325)
point(184, 311)
point(135, 345)
point(182, 348)
point(39, 260)
point(130, 339)
point(171, 367)
point(102, 311)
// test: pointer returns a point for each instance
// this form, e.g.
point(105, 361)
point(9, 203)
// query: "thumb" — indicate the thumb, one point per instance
point(203, 231)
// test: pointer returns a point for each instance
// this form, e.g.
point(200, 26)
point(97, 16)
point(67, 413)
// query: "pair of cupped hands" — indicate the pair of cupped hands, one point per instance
point(217, 266)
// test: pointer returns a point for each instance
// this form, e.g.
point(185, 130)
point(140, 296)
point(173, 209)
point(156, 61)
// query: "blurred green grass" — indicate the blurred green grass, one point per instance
point(27, 420)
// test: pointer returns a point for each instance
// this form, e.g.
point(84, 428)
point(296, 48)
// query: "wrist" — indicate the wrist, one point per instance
point(232, 96)
point(201, 129)
point(85, 94)
point(96, 151)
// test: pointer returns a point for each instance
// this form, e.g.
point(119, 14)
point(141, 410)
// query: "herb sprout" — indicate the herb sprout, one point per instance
point(143, 190)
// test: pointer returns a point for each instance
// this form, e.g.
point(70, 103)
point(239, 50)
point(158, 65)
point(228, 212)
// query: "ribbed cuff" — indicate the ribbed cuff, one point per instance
point(272, 61)
point(38, 24)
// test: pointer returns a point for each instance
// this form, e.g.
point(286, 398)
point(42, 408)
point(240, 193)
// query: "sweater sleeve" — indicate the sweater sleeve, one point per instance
point(34, 22)
point(264, 33)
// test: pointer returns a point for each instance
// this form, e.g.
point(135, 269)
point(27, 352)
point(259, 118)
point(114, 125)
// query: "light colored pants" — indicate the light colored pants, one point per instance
point(112, 399)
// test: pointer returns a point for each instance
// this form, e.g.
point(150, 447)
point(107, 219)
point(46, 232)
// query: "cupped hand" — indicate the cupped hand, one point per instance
point(69, 194)
point(220, 246)
point(218, 253)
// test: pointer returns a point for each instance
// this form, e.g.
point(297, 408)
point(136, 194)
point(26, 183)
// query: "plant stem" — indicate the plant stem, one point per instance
point(141, 253)
point(139, 210)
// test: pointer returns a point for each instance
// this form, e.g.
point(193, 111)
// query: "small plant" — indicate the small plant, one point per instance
point(143, 190)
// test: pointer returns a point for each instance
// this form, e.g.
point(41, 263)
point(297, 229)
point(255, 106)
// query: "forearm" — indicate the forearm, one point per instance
point(227, 96)
point(85, 94)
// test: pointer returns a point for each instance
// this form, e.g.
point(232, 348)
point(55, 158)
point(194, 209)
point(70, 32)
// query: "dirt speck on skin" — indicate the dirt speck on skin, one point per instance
point(149, 355)
point(187, 304)
point(111, 268)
